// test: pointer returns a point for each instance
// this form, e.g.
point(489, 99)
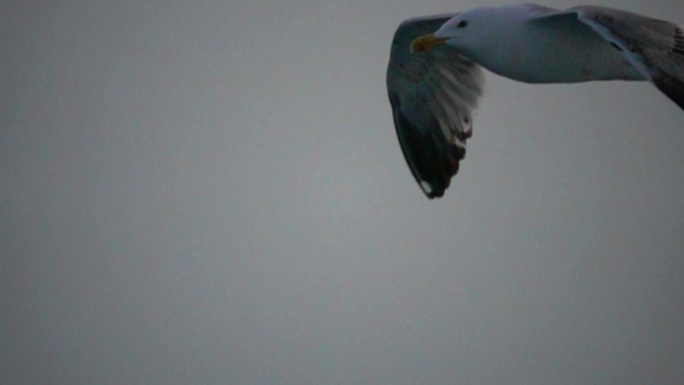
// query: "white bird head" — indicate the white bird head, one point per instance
point(472, 33)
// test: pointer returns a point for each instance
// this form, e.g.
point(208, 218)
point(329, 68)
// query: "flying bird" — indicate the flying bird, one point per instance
point(434, 76)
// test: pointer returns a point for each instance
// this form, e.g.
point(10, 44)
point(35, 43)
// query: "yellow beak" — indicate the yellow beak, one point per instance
point(426, 42)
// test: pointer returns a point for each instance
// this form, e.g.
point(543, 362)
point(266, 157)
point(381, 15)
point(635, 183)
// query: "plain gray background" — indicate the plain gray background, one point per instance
point(212, 192)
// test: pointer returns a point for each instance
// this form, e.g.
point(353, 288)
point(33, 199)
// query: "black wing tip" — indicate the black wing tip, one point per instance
point(436, 175)
point(678, 48)
point(432, 160)
point(431, 191)
point(672, 87)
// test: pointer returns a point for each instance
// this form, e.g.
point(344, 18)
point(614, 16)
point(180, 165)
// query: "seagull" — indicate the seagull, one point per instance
point(435, 77)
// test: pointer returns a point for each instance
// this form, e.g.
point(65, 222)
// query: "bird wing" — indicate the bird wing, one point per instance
point(433, 95)
point(654, 47)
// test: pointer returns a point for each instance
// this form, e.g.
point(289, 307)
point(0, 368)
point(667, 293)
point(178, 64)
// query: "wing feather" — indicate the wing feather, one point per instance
point(654, 47)
point(433, 95)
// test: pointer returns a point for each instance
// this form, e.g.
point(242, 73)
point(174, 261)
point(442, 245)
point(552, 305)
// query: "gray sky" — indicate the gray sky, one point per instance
point(211, 192)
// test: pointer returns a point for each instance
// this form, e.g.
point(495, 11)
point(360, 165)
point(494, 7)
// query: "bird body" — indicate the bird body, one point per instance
point(533, 49)
point(433, 78)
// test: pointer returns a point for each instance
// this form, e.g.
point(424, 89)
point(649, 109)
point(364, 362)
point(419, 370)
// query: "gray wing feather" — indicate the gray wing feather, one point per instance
point(654, 47)
point(433, 95)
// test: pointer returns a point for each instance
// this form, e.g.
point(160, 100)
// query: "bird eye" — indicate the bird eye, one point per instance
point(462, 24)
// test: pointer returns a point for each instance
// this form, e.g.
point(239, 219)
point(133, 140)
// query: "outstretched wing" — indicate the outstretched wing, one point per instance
point(654, 47)
point(433, 95)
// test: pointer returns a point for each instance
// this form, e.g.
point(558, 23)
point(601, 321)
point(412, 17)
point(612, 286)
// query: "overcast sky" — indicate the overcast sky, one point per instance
point(212, 192)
